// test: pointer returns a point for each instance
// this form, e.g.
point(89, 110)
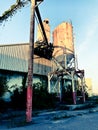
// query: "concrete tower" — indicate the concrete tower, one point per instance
point(63, 39)
point(47, 30)
point(63, 36)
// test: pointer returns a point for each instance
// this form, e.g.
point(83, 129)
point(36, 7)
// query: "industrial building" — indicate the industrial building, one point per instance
point(52, 64)
point(14, 61)
point(57, 73)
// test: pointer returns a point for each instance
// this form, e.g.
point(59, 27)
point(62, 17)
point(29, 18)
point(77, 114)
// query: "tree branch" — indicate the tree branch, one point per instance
point(13, 9)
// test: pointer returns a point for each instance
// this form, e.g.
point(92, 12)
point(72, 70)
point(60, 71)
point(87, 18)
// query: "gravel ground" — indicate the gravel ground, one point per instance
point(52, 120)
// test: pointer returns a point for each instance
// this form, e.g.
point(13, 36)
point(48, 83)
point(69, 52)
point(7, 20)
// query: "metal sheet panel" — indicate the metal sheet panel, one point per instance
point(15, 58)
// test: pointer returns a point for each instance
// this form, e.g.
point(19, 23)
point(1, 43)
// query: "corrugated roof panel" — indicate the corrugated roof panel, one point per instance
point(12, 63)
point(15, 58)
point(18, 50)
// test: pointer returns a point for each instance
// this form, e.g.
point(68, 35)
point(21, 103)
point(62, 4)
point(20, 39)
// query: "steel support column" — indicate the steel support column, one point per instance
point(49, 83)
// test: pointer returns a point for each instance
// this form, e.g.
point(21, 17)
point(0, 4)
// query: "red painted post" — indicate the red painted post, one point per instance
point(30, 65)
point(29, 104)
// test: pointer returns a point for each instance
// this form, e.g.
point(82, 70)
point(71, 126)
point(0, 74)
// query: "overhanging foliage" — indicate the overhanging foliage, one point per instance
point(13, 9)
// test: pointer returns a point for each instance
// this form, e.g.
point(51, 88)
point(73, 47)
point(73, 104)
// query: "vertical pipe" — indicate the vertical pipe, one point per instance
point(73, 88)
point(30, 65)
point(60, 87)
point(65, 59)
point(49, 83)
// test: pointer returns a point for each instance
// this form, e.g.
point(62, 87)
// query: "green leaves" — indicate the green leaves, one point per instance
point(13, 9)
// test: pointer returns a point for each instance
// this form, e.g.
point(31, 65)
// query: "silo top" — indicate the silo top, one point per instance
point(63, 36)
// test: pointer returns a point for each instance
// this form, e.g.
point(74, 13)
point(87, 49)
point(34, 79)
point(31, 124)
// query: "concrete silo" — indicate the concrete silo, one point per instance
point(47, 31)
point(63, 41)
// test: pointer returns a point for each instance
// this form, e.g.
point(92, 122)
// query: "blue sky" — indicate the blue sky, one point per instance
point(84, 17)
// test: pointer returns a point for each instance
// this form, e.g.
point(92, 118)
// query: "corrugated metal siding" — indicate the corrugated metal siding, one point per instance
point(15, 58)
point(18, 50)
point(12, 63)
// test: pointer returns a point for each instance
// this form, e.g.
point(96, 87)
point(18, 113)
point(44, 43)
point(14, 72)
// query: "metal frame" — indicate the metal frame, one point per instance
point(69, 70)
